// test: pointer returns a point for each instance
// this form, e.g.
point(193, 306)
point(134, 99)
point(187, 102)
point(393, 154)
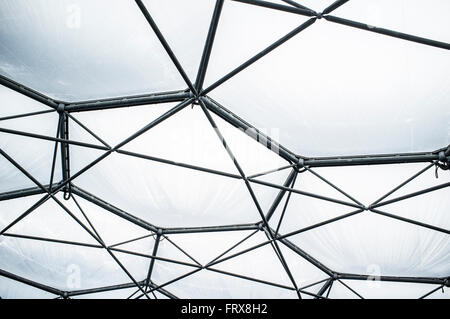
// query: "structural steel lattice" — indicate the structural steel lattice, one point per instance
point(197, 94)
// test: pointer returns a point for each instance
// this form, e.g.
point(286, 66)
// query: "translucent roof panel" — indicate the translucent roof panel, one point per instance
point(174, 191)
point(13, 125)
point(336, 90)
point(224, 149)
point(82, 50)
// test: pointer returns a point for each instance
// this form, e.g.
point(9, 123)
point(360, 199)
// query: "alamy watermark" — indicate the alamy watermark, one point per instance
point(73, 18)
point(73, 280)
point(374, 274)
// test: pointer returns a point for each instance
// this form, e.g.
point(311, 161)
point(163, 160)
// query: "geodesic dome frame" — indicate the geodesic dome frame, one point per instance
point(196, 95)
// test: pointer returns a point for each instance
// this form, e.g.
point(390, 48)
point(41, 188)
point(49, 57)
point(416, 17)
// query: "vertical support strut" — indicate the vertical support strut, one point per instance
point(152, 260)
point(325, 287)
point(280, 195)
point(65, 161)
point(208, 46)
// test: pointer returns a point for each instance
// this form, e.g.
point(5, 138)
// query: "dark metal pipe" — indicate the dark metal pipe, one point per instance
point(284, 237)
point(410, 221)
point(30, 283)
point(334, 186)
point(182, 250)
point(432, 291)
point(164, 43)
point(168, 260)
point(116, 211)
point(280, 194)
point(102, 289)
point(156, 98)
point(248, 129)
point(152, 261)
point(115, 287)
point(371, 160)
point(208, 45)
point(26, 213)
point(388, 32)
point(325, 222)
point(297, 9)
point(403, 184)
point(306, 256)
point(28, 92)
point(84, 127)
point(297, 5)
point(158, 287)
point(419, 280)
point(209, 229)
point(53, 139)
point(65, 153)
point(154, 123)
point(337, 201)
point(17, 116)
point(272, 171)
point(334, 6)
point(184, 165)
point(130, 240)
point(249, 278)
point(418, 193)
point(351, 289)
point(233, 247)
point(50, 240)
point(22, 193)
point(252, 194)
point(162, 291)
point(324, 288)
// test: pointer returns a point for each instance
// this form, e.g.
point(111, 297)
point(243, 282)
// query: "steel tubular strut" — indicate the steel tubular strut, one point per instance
point(196, 93)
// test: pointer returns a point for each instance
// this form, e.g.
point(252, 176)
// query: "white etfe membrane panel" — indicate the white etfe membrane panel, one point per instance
point(167, 191)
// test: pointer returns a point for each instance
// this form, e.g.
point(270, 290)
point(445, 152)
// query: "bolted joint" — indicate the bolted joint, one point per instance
point(67, 192)
point(61, 108)
point(443, 162)
point(158, 235)
point(443, 158)
point(196, 100)
point(300, 166)
point(319, 15)
point(260, 226)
